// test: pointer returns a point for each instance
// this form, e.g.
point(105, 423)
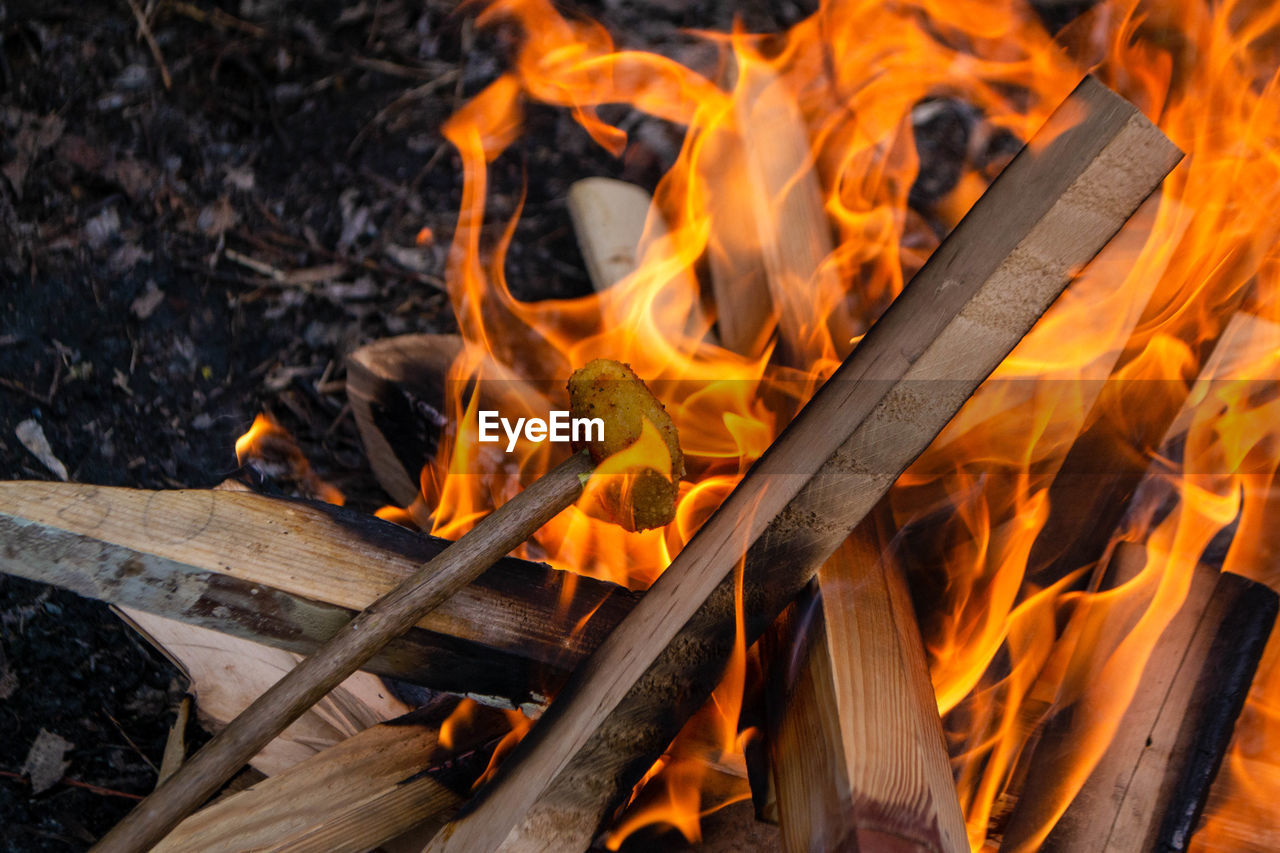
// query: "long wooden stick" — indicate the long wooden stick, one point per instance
point(289, 574)
point(1054, 207)
point(391, 615)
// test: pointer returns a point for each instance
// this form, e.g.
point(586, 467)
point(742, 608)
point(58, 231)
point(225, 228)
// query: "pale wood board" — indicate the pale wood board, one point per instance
point(859, 756)
point(318, 806)
point(227, 673)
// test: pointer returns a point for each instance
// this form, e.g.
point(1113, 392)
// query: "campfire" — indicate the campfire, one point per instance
point(972, 542)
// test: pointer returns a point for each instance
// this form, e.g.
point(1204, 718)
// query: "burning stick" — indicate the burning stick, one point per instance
point(392, 615)
point(1148, 788)
point(1054, 207)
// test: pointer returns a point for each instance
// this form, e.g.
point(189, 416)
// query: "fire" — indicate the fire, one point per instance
point(1146, 313)
point(269, 448)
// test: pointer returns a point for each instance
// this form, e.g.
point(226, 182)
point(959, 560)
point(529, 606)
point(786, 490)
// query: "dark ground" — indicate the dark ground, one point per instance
point(303, 137)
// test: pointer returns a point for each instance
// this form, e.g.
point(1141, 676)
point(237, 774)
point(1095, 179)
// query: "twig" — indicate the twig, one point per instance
point(19, 388)
point(144, 30)
point(257, 266)
point(76, 783)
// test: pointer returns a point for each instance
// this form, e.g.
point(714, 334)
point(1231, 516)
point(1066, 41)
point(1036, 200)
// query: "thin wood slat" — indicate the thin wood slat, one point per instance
point(342, 654)
point(1047, 215)
point(365, 791)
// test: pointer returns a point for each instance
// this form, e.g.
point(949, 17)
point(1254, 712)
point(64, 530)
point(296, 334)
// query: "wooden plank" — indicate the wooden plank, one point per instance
point(392, 614)
point(1147, 789)
point(858, 753)
point(791, 224)
point(1051, 211)
point(407, 778)
point(289, 574)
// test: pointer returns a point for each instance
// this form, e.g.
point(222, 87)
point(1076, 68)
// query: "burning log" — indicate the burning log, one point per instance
point(1149, 787)
point(1051, 211)
point(289, 574)
point(864, 725)
point(791, 222)
point(407, 779)
point(858, 755)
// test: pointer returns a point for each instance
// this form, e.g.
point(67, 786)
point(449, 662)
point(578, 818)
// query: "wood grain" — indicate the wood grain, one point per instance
point(391, 615)
point(289, 574)
point(406, 778)
point(858, 754)
point(396, 387)
point(1148, 787)
point(1043, 219)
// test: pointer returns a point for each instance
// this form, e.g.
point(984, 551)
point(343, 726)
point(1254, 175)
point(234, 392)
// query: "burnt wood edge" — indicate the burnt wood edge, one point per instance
point(1249, 615)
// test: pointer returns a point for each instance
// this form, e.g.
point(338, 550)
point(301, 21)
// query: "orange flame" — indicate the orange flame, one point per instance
point(270, 446)
point(849, 81)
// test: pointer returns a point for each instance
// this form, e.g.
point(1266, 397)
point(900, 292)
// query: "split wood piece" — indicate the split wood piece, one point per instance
point(369, 789)
point(227, 673)
point(396, 388)
point(1148, 788)
point(348, 649)
point(609, 219)
point(1091, 491)
point(289, 574)
point(858, 753)
point(1246, 343)
point(1045, 217)
point(791, 223)
point(617, 224)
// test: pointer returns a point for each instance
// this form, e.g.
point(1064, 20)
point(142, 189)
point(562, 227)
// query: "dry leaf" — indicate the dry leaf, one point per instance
point(215, 219)
point(31, 434)
point(45, 763)
point(147, 303)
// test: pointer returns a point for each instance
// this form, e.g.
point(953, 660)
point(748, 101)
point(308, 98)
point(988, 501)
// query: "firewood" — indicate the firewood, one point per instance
point(288, 574)
point(1050, 212)
point(349, 648)
point(227, 673)
point(400, 609)
point(354, 796)
point(858, 753)
point(792, 227)
point(609, 219)
point(1147, 790)
point(1091, 491)
point(396, 388)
